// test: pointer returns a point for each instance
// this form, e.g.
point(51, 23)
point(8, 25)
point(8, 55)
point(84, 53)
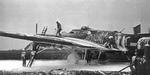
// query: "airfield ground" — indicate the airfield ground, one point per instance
point(46, 66)
point(53, 60)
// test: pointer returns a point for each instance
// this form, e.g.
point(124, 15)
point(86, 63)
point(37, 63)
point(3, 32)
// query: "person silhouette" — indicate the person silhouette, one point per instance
point(59, 28)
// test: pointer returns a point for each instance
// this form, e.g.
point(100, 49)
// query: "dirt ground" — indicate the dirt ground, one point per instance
point(49, 65)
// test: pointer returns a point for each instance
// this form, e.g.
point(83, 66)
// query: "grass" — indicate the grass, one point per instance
point(48, 54)
point(53, 54)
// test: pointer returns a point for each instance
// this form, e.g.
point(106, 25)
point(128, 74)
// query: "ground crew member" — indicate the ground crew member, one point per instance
point(109, 43)
point(23, 57)
point(89, 56)
point(58, 29)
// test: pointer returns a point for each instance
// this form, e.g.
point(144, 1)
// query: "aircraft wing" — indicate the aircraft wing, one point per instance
point(56, 40)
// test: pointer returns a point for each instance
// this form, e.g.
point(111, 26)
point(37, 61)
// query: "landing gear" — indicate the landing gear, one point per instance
point(33, 54)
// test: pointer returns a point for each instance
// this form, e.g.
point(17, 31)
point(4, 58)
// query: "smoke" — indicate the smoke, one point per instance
point(73, 58)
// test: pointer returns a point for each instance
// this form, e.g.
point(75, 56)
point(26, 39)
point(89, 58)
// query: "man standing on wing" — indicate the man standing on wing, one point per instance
point(58, 29)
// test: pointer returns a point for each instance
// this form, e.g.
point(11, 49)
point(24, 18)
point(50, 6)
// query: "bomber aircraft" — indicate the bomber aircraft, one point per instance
point(85, 38)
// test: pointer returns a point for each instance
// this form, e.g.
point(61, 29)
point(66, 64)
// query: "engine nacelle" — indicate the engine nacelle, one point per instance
point(142, 42)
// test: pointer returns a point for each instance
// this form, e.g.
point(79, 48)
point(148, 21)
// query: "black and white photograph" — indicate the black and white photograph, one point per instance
point(74, 37)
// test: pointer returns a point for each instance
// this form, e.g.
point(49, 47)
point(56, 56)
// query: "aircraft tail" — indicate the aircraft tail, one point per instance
point(137, 29)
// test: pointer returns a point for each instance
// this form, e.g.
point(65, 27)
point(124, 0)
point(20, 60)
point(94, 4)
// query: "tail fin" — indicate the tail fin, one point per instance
point(137, 29)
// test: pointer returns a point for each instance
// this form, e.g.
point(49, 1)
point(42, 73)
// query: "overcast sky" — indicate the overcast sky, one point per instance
point(20, 16)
